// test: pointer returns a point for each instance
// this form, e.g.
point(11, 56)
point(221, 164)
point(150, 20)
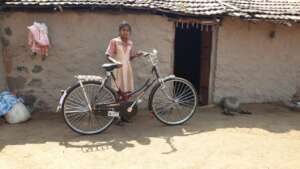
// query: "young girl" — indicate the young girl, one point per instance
point(120, 49)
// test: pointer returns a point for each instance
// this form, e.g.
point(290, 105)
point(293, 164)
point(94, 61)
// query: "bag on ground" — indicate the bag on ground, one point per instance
point(17, 114)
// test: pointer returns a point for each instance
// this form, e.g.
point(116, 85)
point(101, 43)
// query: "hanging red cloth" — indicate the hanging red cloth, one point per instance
point(38, 40)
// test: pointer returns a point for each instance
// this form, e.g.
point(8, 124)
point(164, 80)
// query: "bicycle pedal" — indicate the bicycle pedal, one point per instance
point(129, 109)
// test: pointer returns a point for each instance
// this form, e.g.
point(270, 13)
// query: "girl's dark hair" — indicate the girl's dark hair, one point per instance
point(123, 25)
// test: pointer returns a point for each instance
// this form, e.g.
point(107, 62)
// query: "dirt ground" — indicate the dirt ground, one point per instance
point(267, 139)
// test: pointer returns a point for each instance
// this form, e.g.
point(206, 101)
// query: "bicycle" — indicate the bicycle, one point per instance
point(91, 105)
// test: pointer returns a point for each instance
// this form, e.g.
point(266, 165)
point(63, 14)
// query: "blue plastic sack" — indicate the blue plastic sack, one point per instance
point(7, 101)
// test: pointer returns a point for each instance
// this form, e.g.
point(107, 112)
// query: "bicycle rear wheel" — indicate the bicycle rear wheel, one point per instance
point(77, 114)
point(174, 101)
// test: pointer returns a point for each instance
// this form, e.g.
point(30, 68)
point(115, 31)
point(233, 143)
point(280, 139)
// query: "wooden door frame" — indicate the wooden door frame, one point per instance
point(213, 64)
point(213, 54)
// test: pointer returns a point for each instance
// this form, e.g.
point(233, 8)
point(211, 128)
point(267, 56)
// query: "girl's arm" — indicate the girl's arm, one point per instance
point(111, 59)
point(138, 54)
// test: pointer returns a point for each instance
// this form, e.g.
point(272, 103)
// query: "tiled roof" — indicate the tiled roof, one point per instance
point(259, 9)
point(266, 9)
point(190, 7)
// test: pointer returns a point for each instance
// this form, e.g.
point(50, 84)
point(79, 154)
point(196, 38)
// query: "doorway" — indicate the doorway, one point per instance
point(193, 44)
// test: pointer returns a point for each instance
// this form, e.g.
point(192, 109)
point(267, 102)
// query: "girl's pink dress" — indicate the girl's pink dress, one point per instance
point(122, 51)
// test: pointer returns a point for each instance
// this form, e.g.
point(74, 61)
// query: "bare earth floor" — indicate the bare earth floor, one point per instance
point(268, 139)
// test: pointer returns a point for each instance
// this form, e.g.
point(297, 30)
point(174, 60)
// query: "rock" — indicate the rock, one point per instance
point(22, 69)
point(8, 31)
point(35, 83)
point(294, 106)
point(231, 104)
point(37, 69)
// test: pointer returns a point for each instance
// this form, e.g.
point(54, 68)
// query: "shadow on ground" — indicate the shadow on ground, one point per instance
point(50, 127)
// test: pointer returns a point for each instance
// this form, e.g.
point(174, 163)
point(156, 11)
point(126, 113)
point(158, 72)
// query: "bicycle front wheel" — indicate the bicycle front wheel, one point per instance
point(174, 101)
point(77, 113)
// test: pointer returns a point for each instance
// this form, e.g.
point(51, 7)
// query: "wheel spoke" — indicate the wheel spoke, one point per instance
point(183, 94)
point(186, 98)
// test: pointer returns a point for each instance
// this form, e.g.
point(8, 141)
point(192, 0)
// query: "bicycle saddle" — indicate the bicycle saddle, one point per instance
point(110, 66)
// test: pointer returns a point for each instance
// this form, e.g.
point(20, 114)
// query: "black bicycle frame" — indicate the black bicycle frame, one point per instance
point(149, 82)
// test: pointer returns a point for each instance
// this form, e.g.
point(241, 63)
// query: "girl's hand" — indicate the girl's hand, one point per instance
point(137, 54)
point(119, 65)
point(112, 60)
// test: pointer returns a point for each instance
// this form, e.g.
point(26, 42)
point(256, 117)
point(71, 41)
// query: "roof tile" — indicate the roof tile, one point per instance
point(258, 9)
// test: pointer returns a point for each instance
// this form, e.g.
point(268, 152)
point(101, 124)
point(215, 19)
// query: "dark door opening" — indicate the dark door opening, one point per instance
point(192, 57)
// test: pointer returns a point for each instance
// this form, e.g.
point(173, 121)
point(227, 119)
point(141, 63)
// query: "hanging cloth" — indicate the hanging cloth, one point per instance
point(38, 40)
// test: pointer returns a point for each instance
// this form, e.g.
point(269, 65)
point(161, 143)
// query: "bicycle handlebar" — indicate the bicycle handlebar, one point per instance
point(152, 56)
point(146, 54)
point(154, 52)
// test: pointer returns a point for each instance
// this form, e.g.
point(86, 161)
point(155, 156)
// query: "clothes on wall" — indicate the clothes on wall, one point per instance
point(38, 39)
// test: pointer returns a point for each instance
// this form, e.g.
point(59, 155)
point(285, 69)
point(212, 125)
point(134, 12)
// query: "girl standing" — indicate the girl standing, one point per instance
point(120, 49)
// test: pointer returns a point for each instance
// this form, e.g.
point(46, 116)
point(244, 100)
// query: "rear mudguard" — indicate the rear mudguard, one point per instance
point(65, 92)
point(62, 97)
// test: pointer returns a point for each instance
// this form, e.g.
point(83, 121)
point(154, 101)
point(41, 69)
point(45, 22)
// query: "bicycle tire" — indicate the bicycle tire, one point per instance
point(77, 87)
point(155, 90)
